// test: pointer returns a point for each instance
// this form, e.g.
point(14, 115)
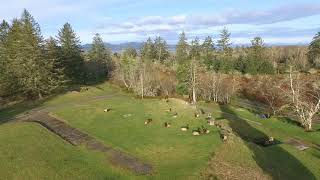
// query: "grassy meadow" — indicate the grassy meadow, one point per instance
point(28, 151)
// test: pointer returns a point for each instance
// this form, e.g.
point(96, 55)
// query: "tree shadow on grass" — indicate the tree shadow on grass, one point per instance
point(11, 112)
point(273, 160)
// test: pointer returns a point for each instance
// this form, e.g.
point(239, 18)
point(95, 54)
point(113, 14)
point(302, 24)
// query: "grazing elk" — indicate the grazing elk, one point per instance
point(148, 121)
point(196, 132)
point(167, 125)
point(185, 128)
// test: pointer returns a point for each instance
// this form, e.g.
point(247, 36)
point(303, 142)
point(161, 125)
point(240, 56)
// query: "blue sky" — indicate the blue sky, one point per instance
point(285, 21)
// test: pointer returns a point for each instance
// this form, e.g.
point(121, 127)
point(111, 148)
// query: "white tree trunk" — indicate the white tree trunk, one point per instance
point(305, 110)
point(194, 95)
point(159, 54)
point(193, 71)
point(142, 82)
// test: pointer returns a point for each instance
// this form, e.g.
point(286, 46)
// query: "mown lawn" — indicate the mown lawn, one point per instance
point(174, 154)
point(282, 161)
point(27, 151)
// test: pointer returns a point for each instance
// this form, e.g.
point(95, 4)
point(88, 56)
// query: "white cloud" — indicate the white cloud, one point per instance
point(245, 24)
point(233, 17)
point(87, 20)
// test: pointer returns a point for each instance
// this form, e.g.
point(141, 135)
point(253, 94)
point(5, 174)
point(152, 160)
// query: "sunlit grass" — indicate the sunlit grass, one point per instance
point(37, 153)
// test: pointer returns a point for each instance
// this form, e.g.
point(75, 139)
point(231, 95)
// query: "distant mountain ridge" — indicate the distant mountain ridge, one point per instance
point(122, 46)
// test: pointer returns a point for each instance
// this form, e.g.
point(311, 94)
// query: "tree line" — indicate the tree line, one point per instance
point(217, 71)
point(222, 56)
point(32, 67)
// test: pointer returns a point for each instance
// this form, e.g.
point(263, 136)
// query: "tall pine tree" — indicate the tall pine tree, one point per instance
point(130, 52)
point(183, 60)
point(207, 51)
point(195, 49)
point(314, 51)
point(257, 48)
point(224, 44)
point(27, 66)
point(161, 48)
point(4, 30)
point(99, 59)
point(182, 49)
point(10, 85)
point(148, 52)
point(71, 58)
point(52, 53)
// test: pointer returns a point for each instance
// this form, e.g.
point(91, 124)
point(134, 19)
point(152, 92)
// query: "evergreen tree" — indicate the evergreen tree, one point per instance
point(257, 48)
point(9, 79)
point(265, 67)
point(224, 44)
point(130, 52)
point(182, 49)
point(255, 62)
point(183, 60)
point(183, 79)
point(240, 64)
point(52, 53)
point(314, 51)
point(71, 58)
point(148, 52)
point(4, 29)
point(207, 51)
point(195, 49)
point(100, 58)
point(29, 71)
point(161, 48)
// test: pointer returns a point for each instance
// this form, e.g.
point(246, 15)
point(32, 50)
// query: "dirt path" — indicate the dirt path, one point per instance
point(77, 137)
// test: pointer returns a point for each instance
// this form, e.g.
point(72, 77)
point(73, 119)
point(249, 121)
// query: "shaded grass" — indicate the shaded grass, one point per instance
point(280, 161)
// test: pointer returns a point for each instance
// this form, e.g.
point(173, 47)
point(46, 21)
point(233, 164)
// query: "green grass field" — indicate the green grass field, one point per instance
point(28, 151)
point(278, 162)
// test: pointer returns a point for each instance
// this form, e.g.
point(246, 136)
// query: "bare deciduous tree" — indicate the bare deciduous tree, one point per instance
point(216, 87)
point(305, 99)
point(193, 76)
point(268, 90)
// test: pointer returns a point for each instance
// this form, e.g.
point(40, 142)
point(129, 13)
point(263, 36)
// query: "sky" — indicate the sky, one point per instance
point(119, 21)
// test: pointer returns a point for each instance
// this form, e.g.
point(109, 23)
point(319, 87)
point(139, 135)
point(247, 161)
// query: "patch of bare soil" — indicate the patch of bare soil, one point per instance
point(299, 144)
point(226, 170)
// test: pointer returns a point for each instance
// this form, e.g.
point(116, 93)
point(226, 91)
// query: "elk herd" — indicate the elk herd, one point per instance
point(197, 131)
